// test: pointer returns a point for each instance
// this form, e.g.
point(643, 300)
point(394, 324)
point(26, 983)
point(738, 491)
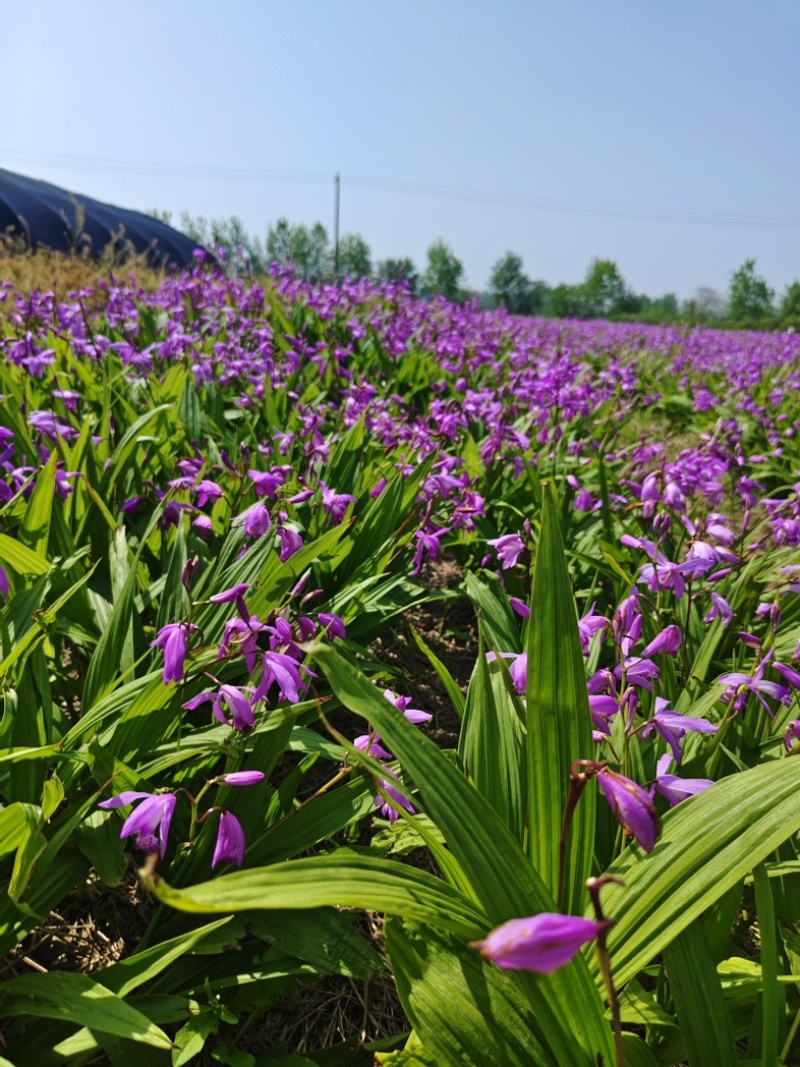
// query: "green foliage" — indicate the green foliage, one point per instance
point(510, 286)
point(749, 296)
point(398, 270)
point(444, 272)
point(306, 249)
point(355, 260)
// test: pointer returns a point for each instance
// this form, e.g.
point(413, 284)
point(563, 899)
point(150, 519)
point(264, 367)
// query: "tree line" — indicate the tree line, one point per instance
point(603, 293)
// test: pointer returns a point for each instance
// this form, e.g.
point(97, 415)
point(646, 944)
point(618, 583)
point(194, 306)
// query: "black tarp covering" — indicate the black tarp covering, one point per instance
point(47, 216)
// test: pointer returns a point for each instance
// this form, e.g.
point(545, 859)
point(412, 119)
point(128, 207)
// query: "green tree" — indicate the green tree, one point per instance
point(305, 249)
point(355, 258)
point(227, 237)
point(749, 296)
point(604, 289)
point(398, 270)
point(510, 286)
point(566, 302)
point(790, 301)
point(444, 272)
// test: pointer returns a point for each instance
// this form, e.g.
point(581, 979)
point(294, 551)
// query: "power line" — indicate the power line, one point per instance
point(527, 202)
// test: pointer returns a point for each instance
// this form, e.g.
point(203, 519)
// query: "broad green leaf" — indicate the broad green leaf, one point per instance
point(77, 999)
point(323, 937)
point(702, 1012)
point(23, 559)
point(559, 722)
point(708, 844)
point(343, 878)
point(773, 999)
point(492, 742)
point(500, 626)
point(35, 529)
point(463, 1009)
point(498, 872)
point(456, 696)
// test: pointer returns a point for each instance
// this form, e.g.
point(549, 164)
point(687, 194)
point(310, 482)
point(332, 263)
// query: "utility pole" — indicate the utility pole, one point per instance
point(336, 184)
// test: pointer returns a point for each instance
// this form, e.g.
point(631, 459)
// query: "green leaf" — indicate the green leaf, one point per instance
point(323, 937)
point(456, 696)
point(702, 1013)
point(104, 665)
point(343, 878)
point(559, 721)
point(492, 741)
point(77, 999)
point(35, 529)
point(500, 876)
point(708, 844)
point(491, 603)
point(464, 1010)
point(773, 1000)
point(23, 559)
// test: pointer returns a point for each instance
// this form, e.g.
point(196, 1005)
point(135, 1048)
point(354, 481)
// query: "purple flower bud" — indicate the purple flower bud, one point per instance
point(521, 609)
point(540, 943)
point(241, 778)
point(230, 841)
point(668, 642)
point(189, 567)
point(227, 596)
point(633, 808)
point(173, 638)
point(291, 542)
point(334, 627)
point(3, 581)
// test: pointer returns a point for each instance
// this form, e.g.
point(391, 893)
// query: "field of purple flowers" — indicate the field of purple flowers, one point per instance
point(215, 498)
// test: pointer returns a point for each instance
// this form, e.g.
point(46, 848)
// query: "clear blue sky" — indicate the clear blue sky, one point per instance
point(610, 111)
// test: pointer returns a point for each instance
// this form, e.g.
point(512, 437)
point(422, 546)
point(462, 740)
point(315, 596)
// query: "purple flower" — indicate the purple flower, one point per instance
point(241, 778)
point(677, 789)
point(335, 504)
point(744, 684)
point(668, 641)
point(719, 607)
point(792, 734)
point(173, 639)
point(207, 490)
point(3, 581)
point(256, 520)
point(238, 705)
point(540, 943)
point(388, 810)
point(333, 624)
point(291, 542)
point(673, 726)
point(589, 625)
point(230, 841)
point(371, 745)
point(153, 814)
point(509, 548)
point(632, 806)
point(285, 672)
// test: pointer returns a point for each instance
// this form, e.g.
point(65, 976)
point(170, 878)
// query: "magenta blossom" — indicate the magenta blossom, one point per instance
point(676, 789)
point(173, 639)
point(509, 548)
point(540, 943)
point(673, 726)
point(230, 841)
point(632, 806)
point(153, 815)
point(241, 778)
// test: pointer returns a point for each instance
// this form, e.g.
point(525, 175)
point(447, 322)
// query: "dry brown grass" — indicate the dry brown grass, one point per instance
point(46, 269)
